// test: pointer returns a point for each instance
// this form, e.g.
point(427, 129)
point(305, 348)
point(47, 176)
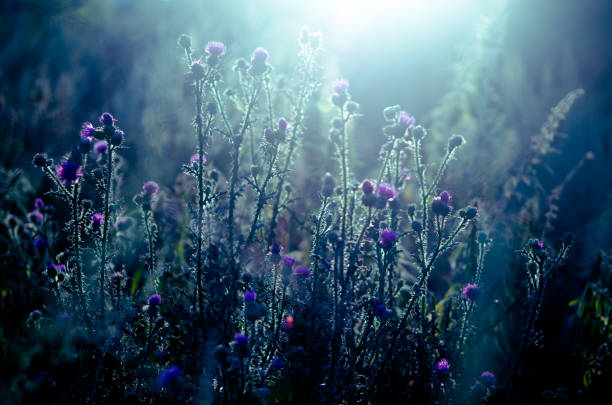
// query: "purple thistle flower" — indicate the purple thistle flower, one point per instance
point(386, 190)
point(87, 130)
point(405, 120)
point(440, 204)
point(367, 187)
point(68, 172)
point(60, 268)
point(283, 125)
point(488, 379)
point(240, 340)
point(195, 159)
point(40, 243)
point(35, 215)
point(39, 203)
point(340, 86)
point(302, 271)
point(260, 56)
point(471, 292)
point(445, 196)
point(97, 219)
point(150, 188)
point(168, 376)
point(288, 261)
point(215, 48)
point(249, 295)
point(100, 147)
point(276, 248)
point(107, 119)
point(154, 300)
point(277, 363)
point(387, 238)
point(442, 366)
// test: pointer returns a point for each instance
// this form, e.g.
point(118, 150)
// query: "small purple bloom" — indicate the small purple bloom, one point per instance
point(387, 238)
point(405, 120)
point(168, 376)
point(39, 203)
point(68, 172)
point(288, 261)
point(154, 300)
point(150, 188)
point(277, 363)
point(471, 292)
point(445, 196)
point(386, 190)
point(196, 159)
point(240, 340)
point(442, 366)
point(488, 379)
point(36, 215)
point(367, 187)
point(107, 119)
point(97, 219)
point(283, 125)
point(215, 48)
point(249, 295)
point(40, 243)
point(441, 204)
point(302, 271)
point(60, 268)
point(260, 56)
point(276, 248)
point(87, 130)
point(100, 147)
point(340, 86)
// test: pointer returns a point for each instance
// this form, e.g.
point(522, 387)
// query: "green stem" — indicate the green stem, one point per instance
point(107, 193)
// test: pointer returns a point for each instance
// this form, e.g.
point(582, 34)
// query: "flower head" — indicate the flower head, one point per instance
point(387, 238)
point(442, 366)
point(340, 86)
point(288, 261)
point(35, 215)
point(260, 56)
point(40, 243)
point(386, 190)
point(107, 119)
point(150, 188)
point(215, 48)
point(471, 292)
point(276, 248)
point(249, 295)
point(367, 187)
point(240, 340)
point(87, 130)
point(302, 271)
point(488, 379)
point(68, 172)
point(100, 147)
point(282, 124)
point(39, 203)
point(405, 120)
point(154, 300)
point(168, 376)
point(441, 204)
point(195, 159)
point(97, 219)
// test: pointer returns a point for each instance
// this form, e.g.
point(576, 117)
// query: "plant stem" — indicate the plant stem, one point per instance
point(107, 194)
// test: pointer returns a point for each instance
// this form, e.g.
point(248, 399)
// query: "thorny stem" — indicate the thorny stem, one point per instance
point(107, 193)
point(76, 241)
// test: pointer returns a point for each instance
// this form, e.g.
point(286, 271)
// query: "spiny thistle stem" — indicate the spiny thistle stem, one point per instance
point(107, 195)
point(76, 243)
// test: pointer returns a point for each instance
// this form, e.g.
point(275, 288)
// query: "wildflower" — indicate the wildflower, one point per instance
point(107, 119)
point(340, 86)
point(470, 213)
point(536, 245)
point(386, 190)
point(488, 379)
point(405, 120)
point(455, 141)
point(419, 132)
point(97, 219)
point(287, 324)
point(328, 185)
point(276, 248)
point(117, 137)
point(442, 367)
point(184, 41)
point(215, 48)
point(258, 60)
point(240, 340)
point(39, 203)
point(195, 159)
point(367, 187)
point(40, 160)
point(471, 292)
point(440, 204)
point(100, 147)
point(154, 300)
point(302, 271)
point(87, 130)
point(283, 125)
point(198, 71)
point(387, 239)
point(36, 215)
point(277, 363)
point(68, 172)
point(288, 261)
point(241, 64)
point(168, 376)
point(85, 144)
point(150, 188)
point(249, 295)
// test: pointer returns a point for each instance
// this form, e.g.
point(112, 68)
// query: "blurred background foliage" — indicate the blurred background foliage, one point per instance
point(490, 70)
